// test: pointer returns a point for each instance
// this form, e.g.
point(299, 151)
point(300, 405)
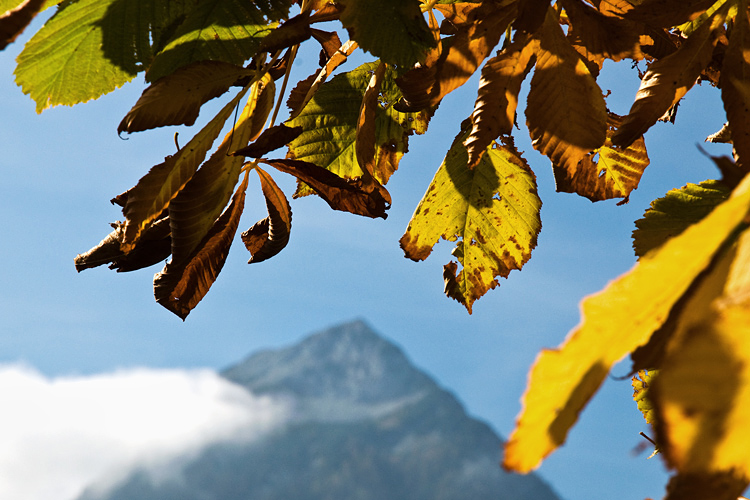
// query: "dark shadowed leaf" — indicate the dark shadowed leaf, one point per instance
point(154, 191)
point(194, 209)
point(14, 21)
point(340, 194)
point(565, 111)
point(179, 287)
point(365, 142)
point(667, 81)
point(735, 87)
point(176, 99)
point(270, 140)
point(479, 27)
point(153, 247)
point(269, 236)
point(495, 107)
point(392, 30)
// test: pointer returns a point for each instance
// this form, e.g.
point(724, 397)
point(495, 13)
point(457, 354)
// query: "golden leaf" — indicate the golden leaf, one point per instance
point(606, 172)
point(615, 322)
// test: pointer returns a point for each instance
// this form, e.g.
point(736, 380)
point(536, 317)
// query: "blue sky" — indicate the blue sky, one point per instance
point(60, 169)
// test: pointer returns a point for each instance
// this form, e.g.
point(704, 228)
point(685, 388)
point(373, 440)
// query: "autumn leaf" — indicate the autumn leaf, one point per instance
point(181, 285)
point(702, 394)
point(479, 28)
point(154, 246)
point(606, 172)
point(735, 91)
point(329, 123)
point(176, 99)
point(670, 215)
point(641, 383)
point(598, 37)
point(666, 13)
point(306, 89)
point(393, 30)
point(667, 81)
point(492, 212)
point(565, 110)
point(615, 322)
point(154, 191)
point(346, 195)
point(197, 205)
point(14, 21)
point(495, 107)
point(365, 138)
point(271, 139)
point(269, 236)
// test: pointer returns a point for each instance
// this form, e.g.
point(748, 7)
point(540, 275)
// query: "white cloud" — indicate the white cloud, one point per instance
point(60, 435)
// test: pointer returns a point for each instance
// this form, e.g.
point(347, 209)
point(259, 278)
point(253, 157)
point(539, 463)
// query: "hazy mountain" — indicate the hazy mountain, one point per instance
point(366, 425)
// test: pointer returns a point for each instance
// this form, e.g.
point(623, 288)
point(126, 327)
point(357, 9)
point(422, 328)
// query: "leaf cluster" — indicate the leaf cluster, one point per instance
point(682, 310)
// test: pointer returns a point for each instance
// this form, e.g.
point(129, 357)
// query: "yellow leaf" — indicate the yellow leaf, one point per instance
point(606, 172)
point(565, 111)
point(615, 322)
point(491, 211)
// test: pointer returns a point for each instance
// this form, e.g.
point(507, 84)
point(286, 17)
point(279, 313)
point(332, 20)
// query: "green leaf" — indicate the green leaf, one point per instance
point(219, 30)
point(64, 62)
point(671, 215)
point(393, 30)
point(329, 123)
point(492, 211)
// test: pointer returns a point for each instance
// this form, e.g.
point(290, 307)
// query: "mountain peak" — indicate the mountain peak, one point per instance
point(347, 362)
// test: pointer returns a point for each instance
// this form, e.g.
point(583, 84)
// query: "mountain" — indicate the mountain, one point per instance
point(366, 425)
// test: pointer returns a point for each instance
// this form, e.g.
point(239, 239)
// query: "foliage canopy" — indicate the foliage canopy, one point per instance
point(683, 311)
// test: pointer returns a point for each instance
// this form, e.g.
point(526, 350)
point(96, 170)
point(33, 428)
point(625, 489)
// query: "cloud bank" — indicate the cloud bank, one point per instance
point(61, 435)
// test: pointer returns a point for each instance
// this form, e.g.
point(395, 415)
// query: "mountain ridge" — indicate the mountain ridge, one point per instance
point(367, 425)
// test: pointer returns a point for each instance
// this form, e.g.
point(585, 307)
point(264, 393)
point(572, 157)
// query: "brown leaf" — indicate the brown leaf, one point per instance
point(735, 90)
point(495, 108)
point(293, 32)
point(479, 28)
point(154, 246)
point(667, 13)
point(270, 140)
point(597, 36)
point(325, 11)
point(531, 15)
point(14, 21)
point(195, 208)
point(607, 172)
point(667, 81)
point(565, 110)
point(366, 136)
point(180, 286)
point(269, 236)
point(328, 40)
point(341, 194)
point(176, 99)
point(148, 199)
